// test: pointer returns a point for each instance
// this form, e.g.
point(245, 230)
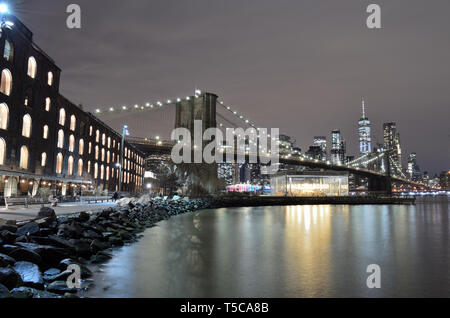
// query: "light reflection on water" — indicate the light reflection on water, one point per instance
point(296, 251)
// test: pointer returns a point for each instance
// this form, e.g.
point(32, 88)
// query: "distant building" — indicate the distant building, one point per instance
point(336, 143)
point(321, 141)
point(364, 132)
point(310, 184)
point(315, 152)
point(413, 168)
point(445, 180)
point(392, 144)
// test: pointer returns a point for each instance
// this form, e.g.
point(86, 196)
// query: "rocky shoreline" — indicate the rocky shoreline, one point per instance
point(35, 256)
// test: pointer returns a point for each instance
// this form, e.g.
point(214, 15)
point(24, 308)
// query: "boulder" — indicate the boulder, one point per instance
point(27, 292)
point(50, 255)
point(25, 255)
point(49, 273)
point(30, 274)
point(10, 278)
point(47, 213)
point(84, 217)
point(60, 287)
point(8, 237)
point(29, 228)
point(4, 292)
point(60, 242)
point(62, 276)
point(7, 227)
point(100, 258)
point(5, 260)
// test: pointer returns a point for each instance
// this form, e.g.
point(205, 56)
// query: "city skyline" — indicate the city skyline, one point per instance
point(400, 80)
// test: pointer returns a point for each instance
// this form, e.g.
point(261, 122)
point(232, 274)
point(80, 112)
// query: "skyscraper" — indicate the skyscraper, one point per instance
point(392, 143)
point(336, 144)
point(364, 132)
point(321, 142)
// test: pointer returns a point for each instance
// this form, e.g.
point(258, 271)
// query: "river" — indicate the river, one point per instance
point(294, 251)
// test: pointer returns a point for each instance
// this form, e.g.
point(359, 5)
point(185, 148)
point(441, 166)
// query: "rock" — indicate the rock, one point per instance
point(72, 230)
point(91, 234)
point(7, 227)
point(85, 272)
point(5, 260)
point(29, 228)
point(25, 255)
point(60, 242)
point(10, 278)
point(50, 255)
point(97, 246)
point(51, 273)
point(100, 258)
point(27, 292)
point(84, 217)
point(62, 276)
point(30, 274)
point(42, 223)
point(115, 241)
point(47, 213)
point(8, 237)
point(60, 287)
point(4, 292)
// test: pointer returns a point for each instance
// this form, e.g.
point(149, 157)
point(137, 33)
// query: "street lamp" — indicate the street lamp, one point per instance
point(124, 133)
point(4, 8)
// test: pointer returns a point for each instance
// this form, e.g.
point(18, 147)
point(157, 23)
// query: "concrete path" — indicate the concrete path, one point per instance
point(20, 213)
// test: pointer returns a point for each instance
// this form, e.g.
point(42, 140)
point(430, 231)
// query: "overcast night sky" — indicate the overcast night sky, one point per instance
point(302, 66)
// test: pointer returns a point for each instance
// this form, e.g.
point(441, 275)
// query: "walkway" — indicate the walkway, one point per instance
point(20, 213)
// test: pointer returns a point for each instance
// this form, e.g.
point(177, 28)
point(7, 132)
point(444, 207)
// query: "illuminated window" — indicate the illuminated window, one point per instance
point(2, 151)
point(96, 152)
point(6, 82)
point(89, 167)
point(32, 67)
point(4, 116)
point(24, 157)
point(26, 126)
point(73, 122)
point(97, 136)
point(59, 163)
point(103, 139)
point(62, 117)
point(90, 148)
point(71, 143)
point(108, 154)
point(80, 167)
point(96, 171)
point(109, 142)
point(45, 132)
point(47, 104)
point(103, 154)
point(70, 166)
point(8, 52)
point(102, 172)
point(91, 130)
point(43, 159)
point(61, 139)
point(50, 79)
point(81, 147)
point(107, 173)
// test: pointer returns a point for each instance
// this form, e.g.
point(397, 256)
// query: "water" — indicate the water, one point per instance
point(297, 251)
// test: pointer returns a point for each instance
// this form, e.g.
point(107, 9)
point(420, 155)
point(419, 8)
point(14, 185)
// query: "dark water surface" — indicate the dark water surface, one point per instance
point(297, 251)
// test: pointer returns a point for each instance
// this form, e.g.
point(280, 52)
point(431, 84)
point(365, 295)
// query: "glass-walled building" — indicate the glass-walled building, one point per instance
point(310, 184)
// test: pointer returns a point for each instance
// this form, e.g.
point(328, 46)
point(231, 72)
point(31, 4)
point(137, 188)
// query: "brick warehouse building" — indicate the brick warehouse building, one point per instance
point(47, 141)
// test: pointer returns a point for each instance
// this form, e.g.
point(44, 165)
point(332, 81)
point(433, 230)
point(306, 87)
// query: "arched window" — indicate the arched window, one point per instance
point(26, 126)
point(108, 156)
point(80, 167)
point(59, 163)
point(48, 103)
point(62, 117)
point(6, 82)
point(97, 136)
point(107, 173)
point(89, 167)
point(43, 159)
point(81, 147)
point(102, 172)
point(96, 171)
point(32, 67)
point(70, 166)
point(73, 122)
point(28, 98)
point(61, 138)
point(8, 52)
point(103, 139)
point(91, 129)
point(109, 142)
point(45, 132)
point(103, 154)
point(2, 151)
point(90, 148)
point(24, 157)
point(50, 79)
point(71, 143)
point(4, 116)
point(96, 152)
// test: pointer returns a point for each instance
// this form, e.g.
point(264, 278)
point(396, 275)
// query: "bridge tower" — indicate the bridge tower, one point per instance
point(202, 107)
